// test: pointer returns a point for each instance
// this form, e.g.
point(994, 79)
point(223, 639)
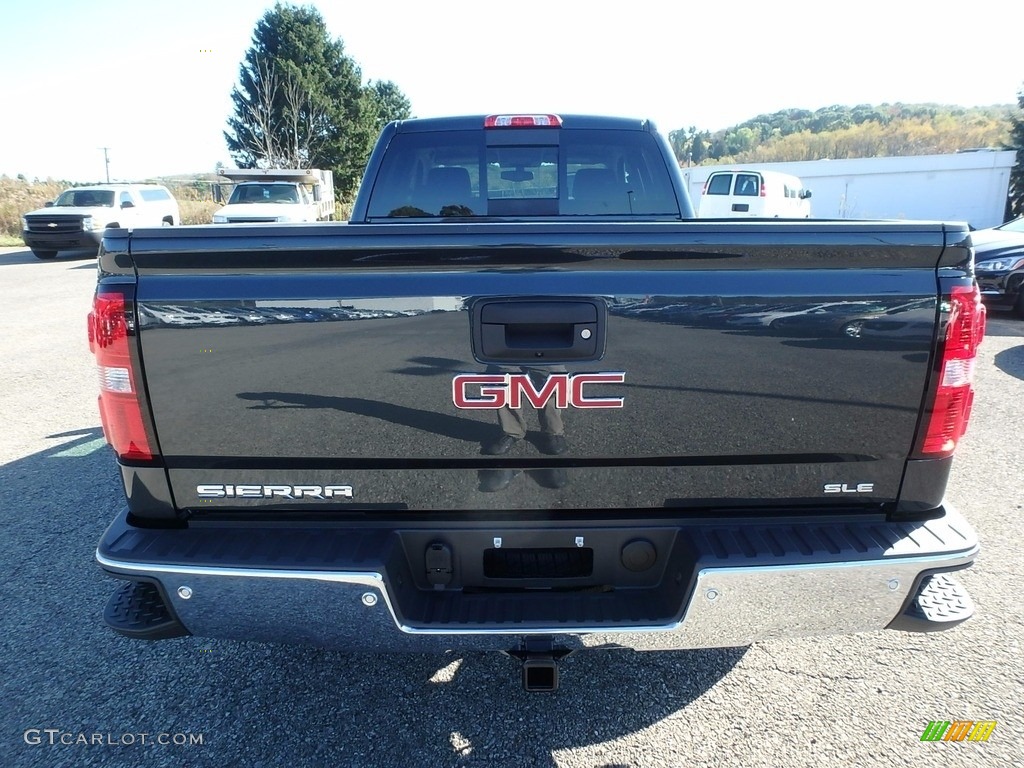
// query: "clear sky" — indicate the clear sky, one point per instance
point(151, 79)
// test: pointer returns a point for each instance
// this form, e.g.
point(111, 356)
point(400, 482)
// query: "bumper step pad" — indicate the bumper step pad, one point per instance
point(137, 610)
point(940, 602)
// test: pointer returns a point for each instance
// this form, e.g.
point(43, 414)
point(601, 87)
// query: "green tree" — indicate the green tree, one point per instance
point(678, 140)
point(390, 102)
point(300, 101)
point(687, 145)
point(699, 147)
point(1015, 203)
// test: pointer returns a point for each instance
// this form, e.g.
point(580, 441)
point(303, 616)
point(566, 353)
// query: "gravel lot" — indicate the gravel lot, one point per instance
point(848, 701)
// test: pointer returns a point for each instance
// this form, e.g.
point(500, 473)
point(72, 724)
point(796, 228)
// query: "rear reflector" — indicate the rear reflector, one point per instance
point(955, 395)
point(120, 410)
point(522, 121)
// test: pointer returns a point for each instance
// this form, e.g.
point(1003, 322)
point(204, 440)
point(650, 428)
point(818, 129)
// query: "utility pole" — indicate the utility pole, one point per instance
point(106, 162)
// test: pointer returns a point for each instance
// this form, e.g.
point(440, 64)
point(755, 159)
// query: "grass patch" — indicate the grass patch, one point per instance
point(18, 197)
point(197, 211)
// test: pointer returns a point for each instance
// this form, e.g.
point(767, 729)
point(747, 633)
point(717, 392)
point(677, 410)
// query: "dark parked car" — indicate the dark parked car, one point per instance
point(999, 263)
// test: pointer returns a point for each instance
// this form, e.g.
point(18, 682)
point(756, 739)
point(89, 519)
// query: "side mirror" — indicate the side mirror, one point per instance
point(316, 194)
point(127, 204)
point(805, 194)
point(48, 204)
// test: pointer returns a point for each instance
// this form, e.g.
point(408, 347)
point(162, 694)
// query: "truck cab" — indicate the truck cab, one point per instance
point(521, 168)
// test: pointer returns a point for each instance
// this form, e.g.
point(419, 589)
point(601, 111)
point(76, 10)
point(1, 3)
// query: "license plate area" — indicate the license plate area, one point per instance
point(539, 563)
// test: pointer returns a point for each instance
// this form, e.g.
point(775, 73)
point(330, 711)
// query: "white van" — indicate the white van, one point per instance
point(755, 194)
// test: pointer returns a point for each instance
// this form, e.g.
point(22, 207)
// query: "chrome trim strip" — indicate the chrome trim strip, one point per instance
point(366, 578)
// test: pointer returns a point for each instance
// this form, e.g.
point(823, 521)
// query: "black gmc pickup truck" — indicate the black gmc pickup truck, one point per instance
point(522, 402)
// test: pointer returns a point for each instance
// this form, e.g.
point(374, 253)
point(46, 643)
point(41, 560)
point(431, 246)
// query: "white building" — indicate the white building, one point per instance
point(966, 186)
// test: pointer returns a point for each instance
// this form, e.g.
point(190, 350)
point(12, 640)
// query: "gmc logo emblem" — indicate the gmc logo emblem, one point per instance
point(498, 390)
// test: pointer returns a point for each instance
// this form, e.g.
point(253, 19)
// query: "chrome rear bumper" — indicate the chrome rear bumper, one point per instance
point(863, 580)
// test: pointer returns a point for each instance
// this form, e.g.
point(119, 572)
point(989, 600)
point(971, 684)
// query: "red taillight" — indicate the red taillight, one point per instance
point(522, 121)
point(120, 410)
point(955, 394)
point(764, 188)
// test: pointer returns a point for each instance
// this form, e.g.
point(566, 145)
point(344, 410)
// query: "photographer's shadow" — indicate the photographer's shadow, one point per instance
point(494, 480)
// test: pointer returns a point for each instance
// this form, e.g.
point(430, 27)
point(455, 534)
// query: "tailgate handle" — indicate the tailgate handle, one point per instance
point(532, 330)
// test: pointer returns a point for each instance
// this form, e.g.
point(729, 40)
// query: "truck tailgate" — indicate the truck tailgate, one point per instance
point(780, 365)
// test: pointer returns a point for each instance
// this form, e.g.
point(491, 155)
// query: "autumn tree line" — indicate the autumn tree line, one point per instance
point(840, 133)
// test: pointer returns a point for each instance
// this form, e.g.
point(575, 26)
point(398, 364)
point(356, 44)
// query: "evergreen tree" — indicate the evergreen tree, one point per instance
point(1015, 203)
point(300, 101)
point(390, 102)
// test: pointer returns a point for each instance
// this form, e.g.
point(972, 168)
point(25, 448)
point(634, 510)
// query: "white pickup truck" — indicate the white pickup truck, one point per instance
point(79, 216)
point(278, 195)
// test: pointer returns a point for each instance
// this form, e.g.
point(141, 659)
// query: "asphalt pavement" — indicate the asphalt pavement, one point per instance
point(76, 694)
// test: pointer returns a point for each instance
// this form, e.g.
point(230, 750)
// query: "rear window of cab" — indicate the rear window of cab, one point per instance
point(548, 172)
